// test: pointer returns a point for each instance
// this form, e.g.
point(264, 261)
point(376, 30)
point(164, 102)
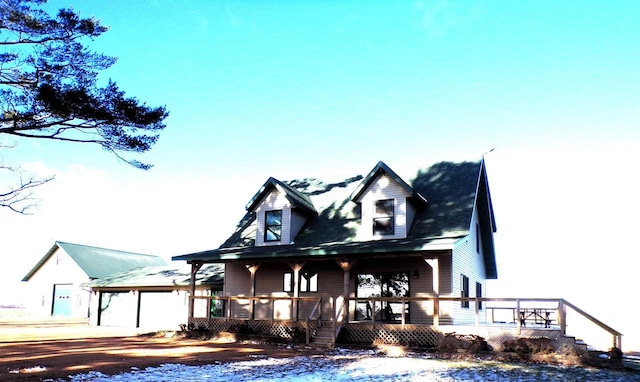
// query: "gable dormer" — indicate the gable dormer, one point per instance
point(388, 205)
point(281, 211)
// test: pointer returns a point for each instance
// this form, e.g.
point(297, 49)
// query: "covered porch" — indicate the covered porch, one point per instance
point(303, 319)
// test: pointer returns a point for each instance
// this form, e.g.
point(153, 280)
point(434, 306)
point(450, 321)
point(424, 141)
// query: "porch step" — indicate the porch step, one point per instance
point(581, 345)
point(323, 337)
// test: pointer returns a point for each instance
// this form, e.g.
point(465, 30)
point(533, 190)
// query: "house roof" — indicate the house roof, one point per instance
point(382, 168)
point(295, 197)
point(160, 276)
point(99, 262)
point(452, 190)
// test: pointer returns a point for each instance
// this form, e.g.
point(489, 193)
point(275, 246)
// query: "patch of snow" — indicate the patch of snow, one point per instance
point(346, 365)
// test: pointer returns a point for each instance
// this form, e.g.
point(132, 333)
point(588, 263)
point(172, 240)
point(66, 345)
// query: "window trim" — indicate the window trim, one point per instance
point(464, 291)
point(267, 225)
point(309, 282)
point(479, 294)
point(377, 216)
point(287, 288)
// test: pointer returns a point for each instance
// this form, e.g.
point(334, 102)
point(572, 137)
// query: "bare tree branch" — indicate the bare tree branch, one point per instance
point(49, 90)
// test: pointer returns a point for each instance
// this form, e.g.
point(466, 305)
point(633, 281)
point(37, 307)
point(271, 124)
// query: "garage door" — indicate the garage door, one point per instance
point(162, 310)
point(118, 309)
point(61, 300)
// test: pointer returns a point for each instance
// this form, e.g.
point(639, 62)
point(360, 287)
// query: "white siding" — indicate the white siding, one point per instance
point(382, 188)
point(411, 214)
point(237, 280)
point(297, 221)
point(60, 268)
point(469, 262)
point(292, 221)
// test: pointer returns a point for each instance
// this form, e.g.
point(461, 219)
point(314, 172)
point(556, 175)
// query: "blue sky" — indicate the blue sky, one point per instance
point(295, 89)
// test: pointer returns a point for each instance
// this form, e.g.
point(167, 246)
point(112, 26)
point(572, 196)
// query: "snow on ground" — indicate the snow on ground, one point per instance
point(343, 365)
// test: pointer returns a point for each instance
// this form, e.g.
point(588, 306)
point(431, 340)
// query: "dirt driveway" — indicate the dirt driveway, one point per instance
point(35, 351)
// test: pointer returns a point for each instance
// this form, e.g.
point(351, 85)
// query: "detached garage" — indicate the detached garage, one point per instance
point(152, 298)
point(59, 276)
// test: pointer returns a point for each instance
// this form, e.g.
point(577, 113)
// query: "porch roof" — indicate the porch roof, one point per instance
point(328, 250)
point(160, 276)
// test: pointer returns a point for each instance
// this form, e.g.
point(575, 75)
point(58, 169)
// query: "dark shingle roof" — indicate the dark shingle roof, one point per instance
point(381, 168)
point(450, 189)
point(161, 276)
point(294, 196)
point(99, 262)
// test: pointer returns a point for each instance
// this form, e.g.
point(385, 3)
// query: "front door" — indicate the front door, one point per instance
point(386, 284)
point(61, 300)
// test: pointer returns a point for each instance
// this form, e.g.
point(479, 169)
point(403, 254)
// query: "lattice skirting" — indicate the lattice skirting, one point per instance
point(414, 335)
point(280, 329)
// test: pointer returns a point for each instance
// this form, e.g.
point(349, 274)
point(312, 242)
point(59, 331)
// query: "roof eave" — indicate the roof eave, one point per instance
point(41, 262)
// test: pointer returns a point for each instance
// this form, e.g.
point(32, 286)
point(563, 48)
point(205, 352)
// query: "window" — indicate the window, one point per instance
point(309, 282)
point(464, 291)
point(386, 284)
point(479, 294)
point(273, 225)
point(383, 217)
point(287, 285)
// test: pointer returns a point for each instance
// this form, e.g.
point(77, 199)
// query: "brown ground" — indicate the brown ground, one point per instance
point(34, 351)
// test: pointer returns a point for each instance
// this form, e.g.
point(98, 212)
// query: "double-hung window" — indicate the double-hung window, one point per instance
point(383, 217)
point(273, 225)
point(479, 295)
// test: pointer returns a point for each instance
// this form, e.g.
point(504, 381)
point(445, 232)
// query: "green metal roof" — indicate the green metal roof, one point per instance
point(99, 262)
point(161, 276)
point(452, 191)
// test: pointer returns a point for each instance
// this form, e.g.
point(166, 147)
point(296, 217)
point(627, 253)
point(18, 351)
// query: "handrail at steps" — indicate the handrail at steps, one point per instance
point(310, 318)
point(617, 336)
point(337, 320)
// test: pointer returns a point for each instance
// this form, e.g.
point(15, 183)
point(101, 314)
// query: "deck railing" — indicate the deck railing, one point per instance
point(550, 312)
point(339, 317)
point(316, 317)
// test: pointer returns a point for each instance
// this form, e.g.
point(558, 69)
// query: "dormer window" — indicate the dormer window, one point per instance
point(273, 225)
point(388, 205)
point(383, 220)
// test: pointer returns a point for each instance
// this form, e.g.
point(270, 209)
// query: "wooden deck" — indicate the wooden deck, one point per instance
point(495, 319)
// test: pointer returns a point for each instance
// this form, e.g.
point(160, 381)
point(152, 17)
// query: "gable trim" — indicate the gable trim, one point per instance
point(296, 198)
point(381, 168)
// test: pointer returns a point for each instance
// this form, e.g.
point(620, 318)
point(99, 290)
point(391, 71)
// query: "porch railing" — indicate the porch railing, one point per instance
point(339, 317)
point(551, 312)
point(316, 317)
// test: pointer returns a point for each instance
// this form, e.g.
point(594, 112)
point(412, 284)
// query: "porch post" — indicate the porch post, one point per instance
point(435, 276)
point(435, 267)
point(253, 268)
point(562, 317)
point(346, 266)
point(519, 322)
point(195, 267)
point(296, 267)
